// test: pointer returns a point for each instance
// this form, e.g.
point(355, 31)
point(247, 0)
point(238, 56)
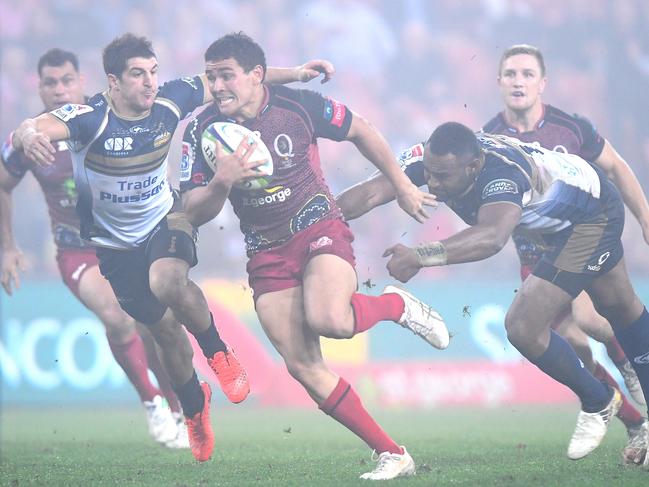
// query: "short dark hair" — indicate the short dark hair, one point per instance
point(454, 138)
point(240, 47)
point(121, 49)
point(522, 49)
point(57, 57)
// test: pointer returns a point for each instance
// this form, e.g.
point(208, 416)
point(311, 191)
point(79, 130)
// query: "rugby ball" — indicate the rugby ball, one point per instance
point(230, 136)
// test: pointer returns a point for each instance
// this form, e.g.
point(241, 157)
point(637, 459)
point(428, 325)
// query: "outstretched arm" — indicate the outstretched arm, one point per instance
point(304, 73)
point(375, 148)
point(621, 174)
point(363, 197)
point(12, 257)
point(494, 226)
point(34, 136)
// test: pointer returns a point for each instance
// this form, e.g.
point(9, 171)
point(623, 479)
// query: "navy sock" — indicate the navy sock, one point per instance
point(561, 363)
point(191, 396)
point(634, 340)
point(210, 341)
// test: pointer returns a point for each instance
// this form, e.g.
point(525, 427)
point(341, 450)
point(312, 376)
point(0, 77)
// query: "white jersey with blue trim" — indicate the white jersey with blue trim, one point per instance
point(555, 190)
point(120, 164)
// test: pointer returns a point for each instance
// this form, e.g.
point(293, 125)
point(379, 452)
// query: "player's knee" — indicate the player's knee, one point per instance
point(516, 331)
point(330, 323)
point(118, 324)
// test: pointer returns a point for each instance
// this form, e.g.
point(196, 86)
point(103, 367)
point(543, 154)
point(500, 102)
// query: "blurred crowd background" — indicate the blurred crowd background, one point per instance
point(407, 65)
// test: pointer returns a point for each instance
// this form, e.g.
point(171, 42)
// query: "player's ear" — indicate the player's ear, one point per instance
point(258, 72)
point(112, 80)
point(542, 84)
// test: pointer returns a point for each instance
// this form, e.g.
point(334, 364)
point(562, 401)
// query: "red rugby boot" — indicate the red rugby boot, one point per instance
point(231, 374)
point(199, 429)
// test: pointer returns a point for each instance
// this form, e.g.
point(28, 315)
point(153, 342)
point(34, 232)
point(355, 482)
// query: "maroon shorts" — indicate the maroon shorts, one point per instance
point(73, 263)
point(282, 267)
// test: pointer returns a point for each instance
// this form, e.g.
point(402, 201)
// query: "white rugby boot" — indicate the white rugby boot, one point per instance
point(391, 465)
point(162, 425)
point(636, 452)
point(591, 428)
point(421, 319)
point(182, 437)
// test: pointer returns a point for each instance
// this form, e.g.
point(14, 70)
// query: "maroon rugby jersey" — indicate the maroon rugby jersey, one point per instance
point(57, 183)
point(289, 122)
point(555, 131)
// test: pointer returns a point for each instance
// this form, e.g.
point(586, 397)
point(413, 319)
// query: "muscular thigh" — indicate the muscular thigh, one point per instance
point(537, 304)
point(281, 315)
point(614, 297)
point(329, 282)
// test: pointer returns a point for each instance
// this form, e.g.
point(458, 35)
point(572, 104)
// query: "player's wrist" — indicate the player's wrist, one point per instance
point(431, 254)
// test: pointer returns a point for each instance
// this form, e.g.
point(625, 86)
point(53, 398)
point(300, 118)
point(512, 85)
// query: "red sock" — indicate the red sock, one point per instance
point(628, 414)
point(369, 310)
point(614, 350)
point(161, 376)
point(344, 405)
point(132, 358)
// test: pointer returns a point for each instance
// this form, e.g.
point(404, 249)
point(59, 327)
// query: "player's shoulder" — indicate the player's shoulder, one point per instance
point(411, 155)
point(560, 117)
point(200, 121)
point(95, 107)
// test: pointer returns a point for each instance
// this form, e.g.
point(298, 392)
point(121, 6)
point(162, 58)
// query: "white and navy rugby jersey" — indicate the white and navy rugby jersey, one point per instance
point(120, 164)
point(555, 190)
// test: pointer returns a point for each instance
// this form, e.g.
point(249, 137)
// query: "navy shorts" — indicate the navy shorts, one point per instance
point(588, 249)
point(128, 270)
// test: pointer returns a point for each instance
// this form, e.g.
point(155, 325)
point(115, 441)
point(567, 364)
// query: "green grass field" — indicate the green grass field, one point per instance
point(464, 447)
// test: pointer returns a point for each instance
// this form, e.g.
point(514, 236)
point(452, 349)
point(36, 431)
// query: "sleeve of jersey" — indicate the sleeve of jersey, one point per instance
point(186, 94)
point(411, 162)
point(82, 122)
point(331, 119)
point(502, 184)
point(592, 142)
point(13, 161)
point(194, 171)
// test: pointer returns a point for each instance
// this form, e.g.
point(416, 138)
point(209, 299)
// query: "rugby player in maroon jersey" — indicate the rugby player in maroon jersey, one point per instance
point(60, 83)
point(119, 143)
point(522, 80)
point(301, 263)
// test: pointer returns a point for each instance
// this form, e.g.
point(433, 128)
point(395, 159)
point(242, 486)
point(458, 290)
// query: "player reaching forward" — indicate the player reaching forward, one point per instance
point(301, 263)
point(119, 143)
point(522, 80)
point(60, 83)
point(501, 187)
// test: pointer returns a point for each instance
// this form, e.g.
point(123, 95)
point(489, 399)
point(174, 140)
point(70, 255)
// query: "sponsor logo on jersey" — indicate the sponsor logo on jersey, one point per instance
point(334, 112)
point(499, 186)
point(190, 81)
point(124, 186)
point(283, 146)
point(642, 359)
point(277, 194)
point(321, 242)
point(186, 161)
point(162, 139)
point(118, 144)
point(138, 129)
point(71, 110)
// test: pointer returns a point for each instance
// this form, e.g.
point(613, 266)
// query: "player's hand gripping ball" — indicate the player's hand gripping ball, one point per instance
point(230, 135)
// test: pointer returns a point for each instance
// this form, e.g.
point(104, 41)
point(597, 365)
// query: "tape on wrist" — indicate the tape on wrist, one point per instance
point(431, 254)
